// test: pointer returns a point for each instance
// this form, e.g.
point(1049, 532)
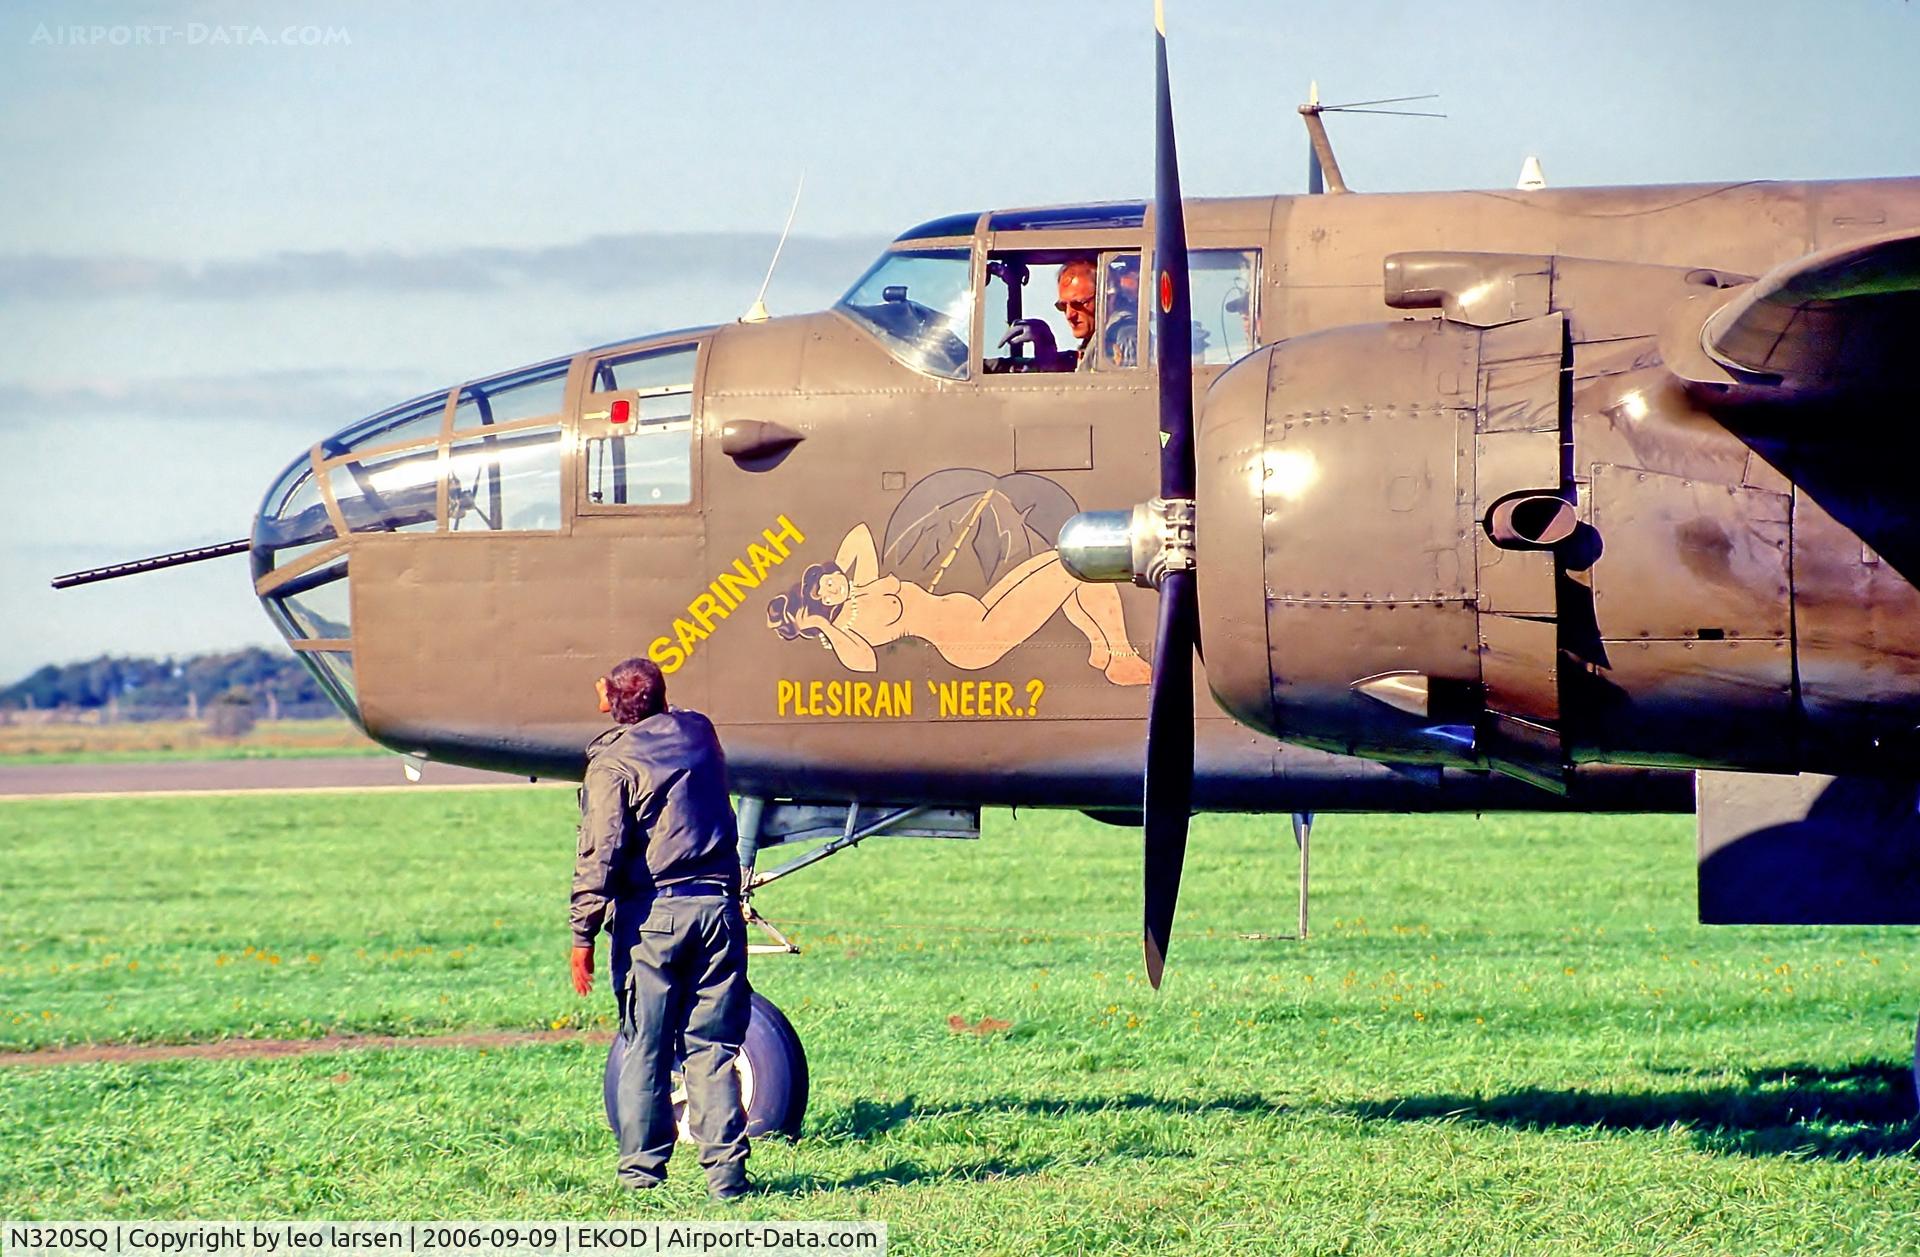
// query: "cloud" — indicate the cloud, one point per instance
point(307, 399)
point(630, 261)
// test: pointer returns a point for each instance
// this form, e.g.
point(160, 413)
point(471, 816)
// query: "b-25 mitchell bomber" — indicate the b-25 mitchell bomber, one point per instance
point(1562, 498)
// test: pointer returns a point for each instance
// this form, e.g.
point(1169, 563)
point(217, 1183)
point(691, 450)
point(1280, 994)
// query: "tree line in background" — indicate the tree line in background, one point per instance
point(268, 681)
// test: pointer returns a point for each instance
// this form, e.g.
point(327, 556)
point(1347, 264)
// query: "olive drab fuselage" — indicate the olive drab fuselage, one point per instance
point(842, 551)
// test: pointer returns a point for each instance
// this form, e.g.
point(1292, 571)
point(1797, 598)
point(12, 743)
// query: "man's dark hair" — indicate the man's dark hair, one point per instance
point(636, 690)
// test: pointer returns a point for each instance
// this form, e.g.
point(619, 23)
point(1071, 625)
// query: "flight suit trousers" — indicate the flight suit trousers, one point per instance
point(680, 968)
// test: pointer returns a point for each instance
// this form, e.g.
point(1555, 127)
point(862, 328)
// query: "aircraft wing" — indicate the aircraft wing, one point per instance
point(1830, 321)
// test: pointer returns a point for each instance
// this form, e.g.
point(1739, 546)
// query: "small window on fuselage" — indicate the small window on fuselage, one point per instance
point(646, 459)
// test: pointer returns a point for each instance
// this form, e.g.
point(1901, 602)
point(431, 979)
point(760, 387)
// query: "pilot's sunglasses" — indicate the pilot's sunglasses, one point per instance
point(1082, 304)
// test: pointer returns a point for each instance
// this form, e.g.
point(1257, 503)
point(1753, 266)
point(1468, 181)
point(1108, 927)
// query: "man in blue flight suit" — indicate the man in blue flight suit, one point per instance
point(659, 866)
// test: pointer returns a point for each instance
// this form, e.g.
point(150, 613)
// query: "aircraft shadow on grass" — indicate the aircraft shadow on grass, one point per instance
point(1854, 1111)
point(1865, 1110)
point(866, 1119)
point(903, 1173)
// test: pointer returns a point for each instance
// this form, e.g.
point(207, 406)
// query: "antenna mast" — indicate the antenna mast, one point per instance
point(1316, 140)
point(757, 312)
point(1322, 168)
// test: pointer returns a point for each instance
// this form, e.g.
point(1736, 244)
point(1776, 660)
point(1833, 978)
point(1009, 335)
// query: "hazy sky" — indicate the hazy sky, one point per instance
point(231, 228)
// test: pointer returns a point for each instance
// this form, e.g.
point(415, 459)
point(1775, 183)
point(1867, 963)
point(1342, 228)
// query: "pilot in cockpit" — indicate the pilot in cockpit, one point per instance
point(1115, 344)
point(1085, 287)
point(1119, 339)
point(1078, 293)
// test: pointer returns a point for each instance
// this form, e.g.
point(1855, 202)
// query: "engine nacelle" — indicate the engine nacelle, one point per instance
point(1351, 470)
point(1521, 536)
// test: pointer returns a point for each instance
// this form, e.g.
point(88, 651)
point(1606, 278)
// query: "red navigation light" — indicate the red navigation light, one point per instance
point(622, 412)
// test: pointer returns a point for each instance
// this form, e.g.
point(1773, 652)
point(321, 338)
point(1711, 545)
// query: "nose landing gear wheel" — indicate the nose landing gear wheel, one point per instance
point(773, 1075)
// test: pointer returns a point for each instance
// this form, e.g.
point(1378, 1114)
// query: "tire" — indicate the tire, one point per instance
point(773, 1075)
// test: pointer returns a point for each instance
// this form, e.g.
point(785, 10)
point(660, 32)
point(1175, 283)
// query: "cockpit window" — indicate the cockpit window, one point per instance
point(1053, 310)
point(920, 304)
point(662, 376)
point(1224, 282)
point(527, 394)
point(505, 483)
point(397, 492)
point(417, 420)
point(1224, 285)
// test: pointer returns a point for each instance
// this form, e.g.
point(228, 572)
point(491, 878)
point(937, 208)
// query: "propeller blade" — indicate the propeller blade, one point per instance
point(1169, 785)
point(1172, 304)
point(1169, 774)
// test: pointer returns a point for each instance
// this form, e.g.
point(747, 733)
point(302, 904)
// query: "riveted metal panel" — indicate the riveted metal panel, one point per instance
point(1361, 457)
point(1610, 301)
point(1519, 671)
point(1514, 582)
point(1614, 357)
point(1053, 447)
point(1519, 666)
point(1386, 523)
point(1317, 649)
point(1526, 749)
point(1855, 611)
point(1644, 418)
point(436, 654)
point(1518, 448)
point(1536, 338)
point(1689, 559)
point(1228, 531)
point(1718, 703)
point(1521, 396)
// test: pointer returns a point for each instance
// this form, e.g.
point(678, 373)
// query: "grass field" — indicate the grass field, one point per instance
point(61, 743)
point(1506, 1035)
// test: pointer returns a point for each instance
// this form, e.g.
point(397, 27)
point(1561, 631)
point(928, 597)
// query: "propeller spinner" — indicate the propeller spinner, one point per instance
point(1152, 545)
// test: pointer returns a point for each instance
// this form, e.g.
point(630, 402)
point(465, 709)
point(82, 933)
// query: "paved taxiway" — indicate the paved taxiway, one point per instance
point(224, 776)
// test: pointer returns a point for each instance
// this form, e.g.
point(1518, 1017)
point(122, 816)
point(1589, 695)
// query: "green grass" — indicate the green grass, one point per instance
point(1506, 1035)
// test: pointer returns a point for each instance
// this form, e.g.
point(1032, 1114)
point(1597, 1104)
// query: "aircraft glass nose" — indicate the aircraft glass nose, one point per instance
point(300, 574)
point(377, 474)
point(293, 521)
